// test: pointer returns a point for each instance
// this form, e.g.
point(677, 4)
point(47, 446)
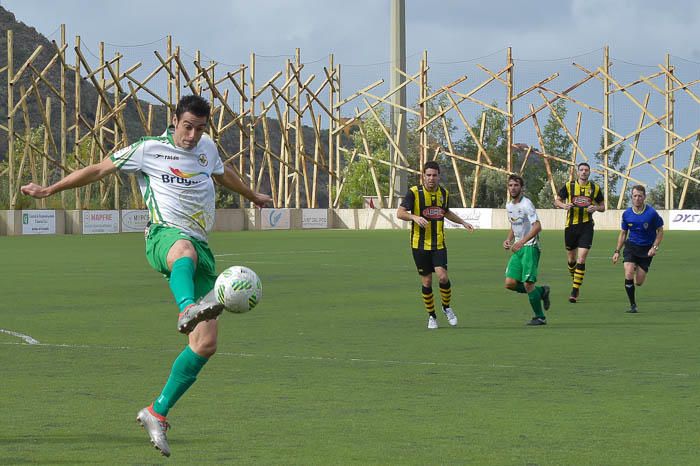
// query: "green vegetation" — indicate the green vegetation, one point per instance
point(336, 366)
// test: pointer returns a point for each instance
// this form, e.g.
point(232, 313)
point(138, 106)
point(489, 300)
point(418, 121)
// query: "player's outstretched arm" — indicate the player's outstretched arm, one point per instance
point(78, 178)
point(231, 180)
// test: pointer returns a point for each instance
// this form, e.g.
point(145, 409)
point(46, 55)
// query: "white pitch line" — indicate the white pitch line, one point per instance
point(493, 365)
point(27, 339)
point(279, 253)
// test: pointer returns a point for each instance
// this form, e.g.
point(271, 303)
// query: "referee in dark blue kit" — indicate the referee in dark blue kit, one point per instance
point(645, 228)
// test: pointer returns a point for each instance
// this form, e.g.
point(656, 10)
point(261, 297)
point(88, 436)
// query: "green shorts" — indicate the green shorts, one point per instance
point(160, 239)
point(523, 264)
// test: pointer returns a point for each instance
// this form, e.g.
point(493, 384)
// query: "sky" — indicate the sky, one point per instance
point(639, 31)
point(545, 36)
point(357, 32)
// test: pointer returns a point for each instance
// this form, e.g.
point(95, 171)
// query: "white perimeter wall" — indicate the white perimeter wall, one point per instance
point(70, 221)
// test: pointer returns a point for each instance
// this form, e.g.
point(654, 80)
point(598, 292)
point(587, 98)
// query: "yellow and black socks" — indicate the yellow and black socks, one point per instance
point(629, 288)
point(579, 273)
point(445, 294)
point(182, 376)
point(572, 268)
point(428, 300)
point(182, 282)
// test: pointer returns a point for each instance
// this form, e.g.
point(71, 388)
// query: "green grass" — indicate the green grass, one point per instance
point(336, 367)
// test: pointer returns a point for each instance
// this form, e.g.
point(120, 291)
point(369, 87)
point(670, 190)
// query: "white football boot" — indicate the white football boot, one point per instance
point(432, 323)
point(451, 317)
point(156, 429)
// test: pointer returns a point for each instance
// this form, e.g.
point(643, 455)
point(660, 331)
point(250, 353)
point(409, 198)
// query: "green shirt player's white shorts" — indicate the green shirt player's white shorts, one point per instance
point(523, 264)
point(178, 189)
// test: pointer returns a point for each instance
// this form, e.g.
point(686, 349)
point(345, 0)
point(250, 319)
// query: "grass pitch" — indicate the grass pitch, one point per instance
point(336, 365)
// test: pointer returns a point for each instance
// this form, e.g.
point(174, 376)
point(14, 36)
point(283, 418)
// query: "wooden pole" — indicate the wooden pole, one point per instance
point(455, 168)
point(332, 94)
point(337, 166)
point(670, 124)
point(606, 120)
point(298, 136)
point(116, 139)
point(423, 111)
point(76, 108)
point(509, 109)
point(10, 119)
point(477, 169)
point(168, 108)
point(47, 139)
point(64, 119)
point(241, 136)
point(251, 161)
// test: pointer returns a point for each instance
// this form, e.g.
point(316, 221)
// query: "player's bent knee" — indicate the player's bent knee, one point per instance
point(205, 349)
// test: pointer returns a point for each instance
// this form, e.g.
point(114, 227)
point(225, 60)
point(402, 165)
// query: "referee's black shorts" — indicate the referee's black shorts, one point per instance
point(637, 254)
point(578, 236)
point(426, 261)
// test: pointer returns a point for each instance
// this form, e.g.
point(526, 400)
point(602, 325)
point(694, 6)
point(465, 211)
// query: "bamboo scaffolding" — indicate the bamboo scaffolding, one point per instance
point(293, 169)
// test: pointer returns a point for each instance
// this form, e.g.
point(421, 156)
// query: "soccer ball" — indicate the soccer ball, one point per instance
point(238, 288)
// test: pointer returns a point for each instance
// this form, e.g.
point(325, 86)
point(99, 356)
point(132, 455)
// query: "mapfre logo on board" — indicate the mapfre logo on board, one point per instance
point(433, 213)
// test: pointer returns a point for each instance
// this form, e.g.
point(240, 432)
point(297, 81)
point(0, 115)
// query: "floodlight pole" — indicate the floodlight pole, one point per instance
point(398, 99)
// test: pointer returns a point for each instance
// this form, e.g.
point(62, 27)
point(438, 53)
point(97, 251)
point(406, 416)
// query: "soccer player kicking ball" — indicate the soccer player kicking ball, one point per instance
point(176, 174)
point(645, 228)
point(524, 242)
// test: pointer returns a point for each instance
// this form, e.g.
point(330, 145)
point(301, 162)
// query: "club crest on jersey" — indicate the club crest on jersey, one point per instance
point(433, 213)
point(581, 201)
point(646, 226)
point(202, 159)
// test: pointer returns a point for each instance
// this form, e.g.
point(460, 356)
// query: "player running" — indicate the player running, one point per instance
point(427, 206)
point(524, 242)
point(580, 199)
point(645, 228)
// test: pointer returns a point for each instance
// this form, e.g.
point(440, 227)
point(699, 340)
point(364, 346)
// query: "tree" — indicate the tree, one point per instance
point(656, 195)
point(491, 190)
point(357, 172)
point(614, 162)
point(545, 200)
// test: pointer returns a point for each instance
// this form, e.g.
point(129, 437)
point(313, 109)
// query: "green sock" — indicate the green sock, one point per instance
point(182, 282)
point(520, 288)
point(535, 297)
point(182, 376)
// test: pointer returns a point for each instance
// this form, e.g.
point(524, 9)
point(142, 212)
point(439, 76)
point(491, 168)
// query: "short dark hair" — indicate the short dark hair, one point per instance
point(519, 179)
point(583, 163)
point(196, 105)
point(431, 164)
point(640, 188)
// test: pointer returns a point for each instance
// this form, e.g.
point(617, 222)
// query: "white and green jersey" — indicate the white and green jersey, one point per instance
point(176, 183)
point(522, 215)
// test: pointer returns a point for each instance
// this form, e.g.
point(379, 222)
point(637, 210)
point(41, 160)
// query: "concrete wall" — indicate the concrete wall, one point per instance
point(70, 221)
point(365, 219)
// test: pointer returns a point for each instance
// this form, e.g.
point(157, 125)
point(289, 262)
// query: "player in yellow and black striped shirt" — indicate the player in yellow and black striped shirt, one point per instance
point(580, 198)
point(426, 206)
